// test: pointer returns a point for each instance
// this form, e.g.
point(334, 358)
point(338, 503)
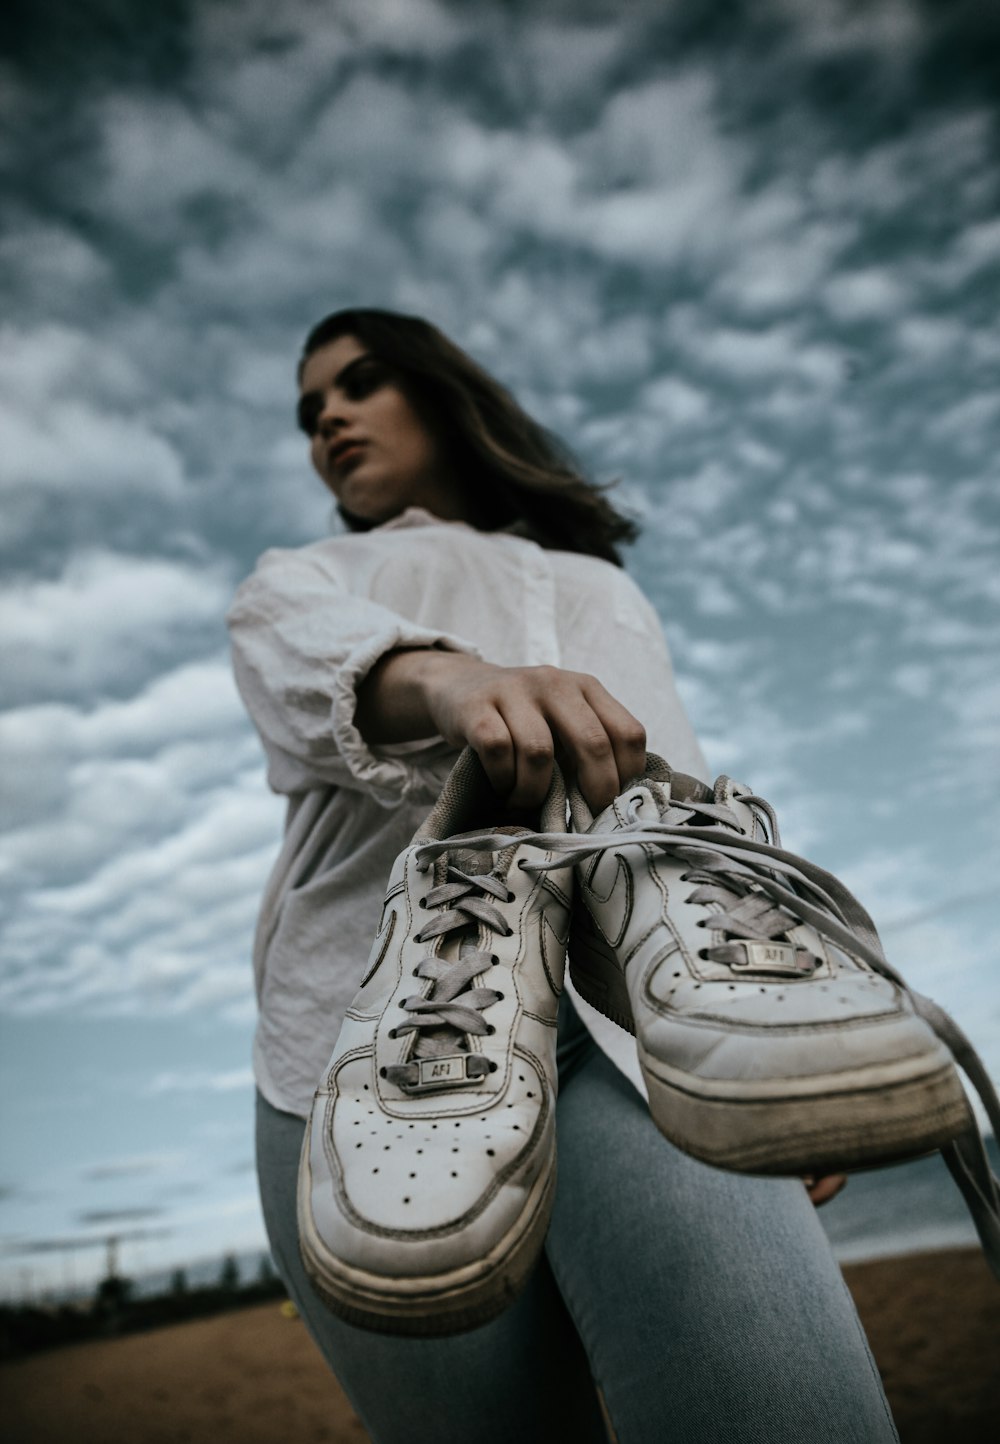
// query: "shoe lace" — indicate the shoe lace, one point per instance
point(764, 890)
point(744, 915)
point(450, 1014)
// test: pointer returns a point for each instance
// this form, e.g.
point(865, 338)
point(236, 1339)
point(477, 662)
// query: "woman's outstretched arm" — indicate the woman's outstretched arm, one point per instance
point(517, 719)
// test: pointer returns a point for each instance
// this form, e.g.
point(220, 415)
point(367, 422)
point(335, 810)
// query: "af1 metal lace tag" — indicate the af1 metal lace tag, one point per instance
point(452, 1071)
point(773, 957)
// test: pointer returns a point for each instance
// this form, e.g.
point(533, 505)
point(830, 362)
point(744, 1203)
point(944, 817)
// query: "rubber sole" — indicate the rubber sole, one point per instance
point(832, 1129)
point(436, 1305)
point(824, 1124)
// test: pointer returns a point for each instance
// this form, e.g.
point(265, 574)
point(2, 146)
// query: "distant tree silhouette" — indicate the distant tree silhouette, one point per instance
point(114, 1290)
point(178, 1282)
point(229, 1277)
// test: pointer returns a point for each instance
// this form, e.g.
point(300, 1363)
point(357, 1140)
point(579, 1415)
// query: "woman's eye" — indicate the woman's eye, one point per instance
point(359, 382)
point(307, 415)
point(363, 380)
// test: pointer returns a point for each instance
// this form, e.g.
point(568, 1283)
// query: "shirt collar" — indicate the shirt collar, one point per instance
point(417, 516)
point(420, 516)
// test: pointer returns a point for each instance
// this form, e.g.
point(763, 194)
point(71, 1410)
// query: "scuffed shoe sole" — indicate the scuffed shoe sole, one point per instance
point(824, 1123)
point(837, 1123)
point(434, 1306)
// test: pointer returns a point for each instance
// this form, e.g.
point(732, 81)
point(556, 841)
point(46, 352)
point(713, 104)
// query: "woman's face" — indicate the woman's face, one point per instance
point(368, 443)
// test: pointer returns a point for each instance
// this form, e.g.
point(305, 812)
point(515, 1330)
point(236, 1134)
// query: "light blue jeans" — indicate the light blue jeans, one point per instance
point(705, 1306)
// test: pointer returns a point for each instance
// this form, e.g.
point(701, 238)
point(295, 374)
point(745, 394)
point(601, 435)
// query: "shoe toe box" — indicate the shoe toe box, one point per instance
point(744, 1027)
point(422, 1182)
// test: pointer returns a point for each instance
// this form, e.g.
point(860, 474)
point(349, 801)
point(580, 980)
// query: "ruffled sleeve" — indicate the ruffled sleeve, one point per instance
point(302, 644)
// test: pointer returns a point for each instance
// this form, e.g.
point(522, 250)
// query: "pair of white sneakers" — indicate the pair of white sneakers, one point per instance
point(772, 1034)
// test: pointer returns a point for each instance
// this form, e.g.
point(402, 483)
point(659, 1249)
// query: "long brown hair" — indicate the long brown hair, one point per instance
point(523, 473)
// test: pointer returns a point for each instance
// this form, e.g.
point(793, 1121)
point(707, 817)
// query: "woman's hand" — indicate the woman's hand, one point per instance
point(821, 1190)
point(519, 720)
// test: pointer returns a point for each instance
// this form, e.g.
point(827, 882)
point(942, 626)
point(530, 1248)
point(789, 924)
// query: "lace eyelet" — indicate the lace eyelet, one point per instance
point(490, 1029)
point(494, 960)
point(703, 954)
point(423, 902)
point(391, 1033)
point(499, 998)
point(382, 1072)
point(510, 897)
point(493, 1067)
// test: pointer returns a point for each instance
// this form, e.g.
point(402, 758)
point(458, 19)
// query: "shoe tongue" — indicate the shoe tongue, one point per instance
point(684, 788)
point(475, 862)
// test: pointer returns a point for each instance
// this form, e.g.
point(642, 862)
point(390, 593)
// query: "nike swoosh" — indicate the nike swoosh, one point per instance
point(611, 911)
point(383, 936)
point(553, 950)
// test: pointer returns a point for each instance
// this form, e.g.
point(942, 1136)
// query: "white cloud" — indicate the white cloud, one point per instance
point(44, 365)
point(142, 834)
point(641, 184)
point(920, 339)
point(107, 806)
point(870, 294)
point(306, 242)
point(599, 350)
point(660, 130)
point(73, 430)
point(106, 616)
point(677, 402)
point(257, 86)
point(755, 454)
point(165, 923)
point(914, 680)
point(969, 423)
point(44, 258)
point(568, 60)
point(404, 27)
point(761, 355)
point(978, 246)
point(659, 174)
point(200, 1080)
point(186, 705)
point(158, 156)
point(74, 448)
point(974, 700)
point(134, 1164)
point(782, 270)
point(257, 377)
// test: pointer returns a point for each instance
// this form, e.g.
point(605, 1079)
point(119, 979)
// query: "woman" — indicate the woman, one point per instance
point(478, 599)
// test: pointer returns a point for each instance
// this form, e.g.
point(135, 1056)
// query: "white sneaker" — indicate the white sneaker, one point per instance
point(772, 1034)
point(428, 1167)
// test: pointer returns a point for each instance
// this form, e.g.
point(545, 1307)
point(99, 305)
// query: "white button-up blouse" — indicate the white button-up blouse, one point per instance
point(306, 627)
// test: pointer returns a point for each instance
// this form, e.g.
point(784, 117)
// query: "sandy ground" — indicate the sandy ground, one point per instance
point(254, 1377)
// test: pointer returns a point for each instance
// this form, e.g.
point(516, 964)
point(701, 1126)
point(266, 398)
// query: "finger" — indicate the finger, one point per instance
point(490, 739)
point(587, 750)
point(535, 759)
point(821, 1190)
point(533, 754)
point(625, 732)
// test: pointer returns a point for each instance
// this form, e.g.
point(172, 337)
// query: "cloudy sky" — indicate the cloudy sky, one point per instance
point(744, 258)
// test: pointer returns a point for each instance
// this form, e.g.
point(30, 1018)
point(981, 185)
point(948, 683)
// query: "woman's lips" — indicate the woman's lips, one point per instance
point(347, 456)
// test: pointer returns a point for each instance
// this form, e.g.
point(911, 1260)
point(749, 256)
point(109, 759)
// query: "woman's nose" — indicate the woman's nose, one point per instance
point(332, 416)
